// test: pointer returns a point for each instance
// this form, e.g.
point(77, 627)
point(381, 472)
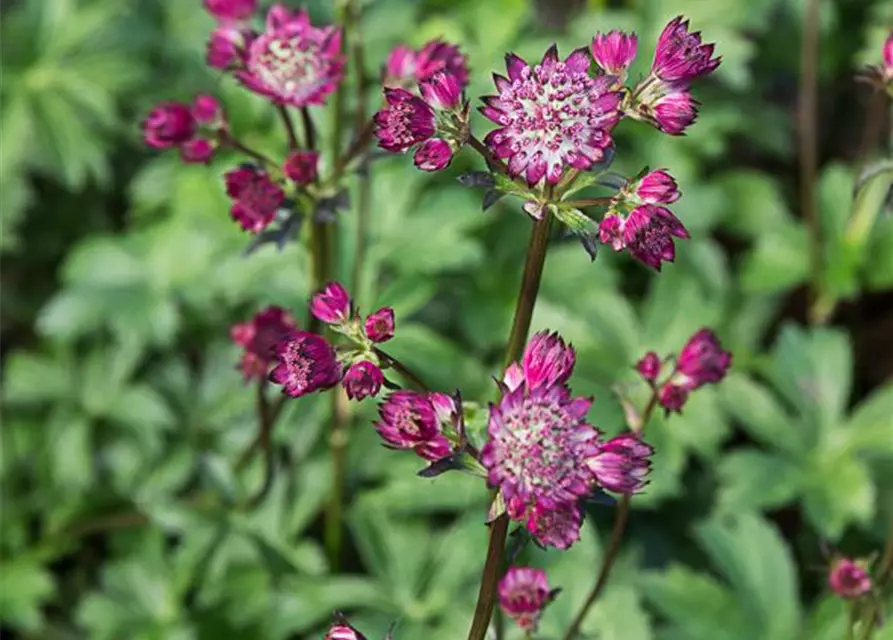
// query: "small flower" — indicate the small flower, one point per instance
point(680, 56)
point(343, 631)
point(257, 198)
point(197, 150)
point(406, 121)
point(433, 155)
point(557, 527)
point(610, 231)
point(231, 10)
point(169, 124)
point(307, 363)
point(648, 235)
point(614, 51)
point(622, 463)
point(442, 91)
point(702, 360)
point(362, 380)
point(551, 116)
point(523, 592)
point(227, 48)
point(547, 360)
point(259, 338)
point(672, 397)
point(293, 62)
point(332, 305)
point(379, 326)
point(887, 54)
point(408, 420)
point(848, 578)
point(207, 111)
point(649, 366)
point(300, 166)
point(674, 112)
point(399, 68)
point(657, 187)
point(438, 55)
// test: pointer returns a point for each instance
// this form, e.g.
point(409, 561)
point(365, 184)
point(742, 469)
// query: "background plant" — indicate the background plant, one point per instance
point(123, 273)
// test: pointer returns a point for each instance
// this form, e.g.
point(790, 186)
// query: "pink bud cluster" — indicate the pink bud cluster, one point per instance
point(702, 361)
point(405, 67)
point(523, 594)
point(193, 129)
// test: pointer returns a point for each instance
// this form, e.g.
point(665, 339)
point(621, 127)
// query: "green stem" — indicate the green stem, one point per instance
point(402, 369)
point(530, 283)
point(289, 128)
point(364, 187)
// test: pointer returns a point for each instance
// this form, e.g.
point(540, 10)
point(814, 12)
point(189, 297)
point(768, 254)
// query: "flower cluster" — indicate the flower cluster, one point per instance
point(193, 129)
point(423, 422)
point(256, 197)
point(258, 339)
point(405, 67)
point(523, 594)
point(541, 452)
point(849, 578)
point(701, 361)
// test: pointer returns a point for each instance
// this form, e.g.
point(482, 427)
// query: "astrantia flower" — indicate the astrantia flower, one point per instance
point(674, 112)
point(702, 361)
point(231, 10)
point(197, 150)
point(207, 111)
point(657, 187)
point(300, 166)
point(622, 463)
point(437, 56)
point(331, 305)
point(649, 366)
point(227, 47)
point(293, 62)
point(256, 197)
point(557, 527)
point(680, 56)
point(648, 235)
point(547, 360)
point(399, 68)
point(169, 124)
point(552, 116)
point(307, 363)
point(523, 592)
point(362, 380)
point(406, 121)
point(887, 55)
point(379, 326)
point(672, 397)
point(614, 51)
point(259, 338)
point(408, 420)
point(848, 578)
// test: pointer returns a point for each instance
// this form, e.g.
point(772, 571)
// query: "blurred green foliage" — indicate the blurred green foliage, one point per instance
point(124, 415)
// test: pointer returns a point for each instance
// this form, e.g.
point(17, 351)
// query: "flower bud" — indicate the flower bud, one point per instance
point(207, 111)
point(197, 151)
point(649, 366)
point(614, 51)
point(848, 578)
point(169, 124)
point(379, 326)
point(362, 380)
point(230, 10)
point(523, 592)
point(301, 167)
point(657, 187)
point(332, 304)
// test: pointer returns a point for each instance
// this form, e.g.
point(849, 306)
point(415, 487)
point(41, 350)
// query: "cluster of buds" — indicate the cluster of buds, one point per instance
point(193, 129)
point(702, 361)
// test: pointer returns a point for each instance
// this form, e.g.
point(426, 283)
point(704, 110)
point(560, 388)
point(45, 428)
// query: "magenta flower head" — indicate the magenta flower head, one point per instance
point(259, 337)
point(848, 578)
point(648, 235)
point(332, 305)
point(399, 68)
point(610, 231)
point(231, 10)
point(622, 463)
point(301, 167)
point(551, 116)
point(649, 366)
point(341, 630)
point(207, 111)
point(672, 397)
point(293, 62)
point(379, 326)
point(197, 151)
point(307, 363)
point(437, 56)
point(887, 55)
point(680, 56)
point(657, 187)
point(442, 91)
point(406, 121)
point(227, 47)
point(547, 360)
point(557, 527)
point(614, 51)
point(523, 592)
point(256, 197)
point(433, 155)
point(408, 420)
point(702, 360)
point(674, 112)
point(362, 380)
point(169, 124)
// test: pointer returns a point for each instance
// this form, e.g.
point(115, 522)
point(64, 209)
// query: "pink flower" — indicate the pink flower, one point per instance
point(614, 51)
point(227, 47)
point(362, 380)
point(408, 420)
point(207, 111)
point(523, 592)
point(442, 91)
point(514, 377)
point(307, 363)
point(343, 631)
point(256, 197)
point(657, 187)
point(674, 112)
point(887, 55)
point(438, 55)
point(231, 10)
point(547, 360)
point(197, 151)
point(702, 360)
point(672, 397)
point(300, 167)
point(622, 463)
point(848, 578)
point(649, 366)
point(293, 62)
point(169, 124)
point(680, 56)
point(648, 235)
point(610, 231)
point(557, 527)
point(433, 155)
point(551, 116)
point(332, 305)
point(406, 121)
point(399, 68)
point(259, 337)
point(379, 326)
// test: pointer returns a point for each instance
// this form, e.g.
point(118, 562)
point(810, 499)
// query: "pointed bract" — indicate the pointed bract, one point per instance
point(614, 51)
point(547, 360)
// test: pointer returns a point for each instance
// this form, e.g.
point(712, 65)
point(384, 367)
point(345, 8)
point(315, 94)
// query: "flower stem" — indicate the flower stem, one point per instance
point(402, 369)
point(289, 127)
point(226, 139)
point(616, 538)
point(364, 187)
point(530, 283)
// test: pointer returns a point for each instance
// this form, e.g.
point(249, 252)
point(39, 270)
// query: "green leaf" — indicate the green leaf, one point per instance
point(24, 588)
point(869, 429)
point(780, 260)
point(34, 379)
point(755, 408)
point(752, 480)
point(140, 407)
point(839, 492)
